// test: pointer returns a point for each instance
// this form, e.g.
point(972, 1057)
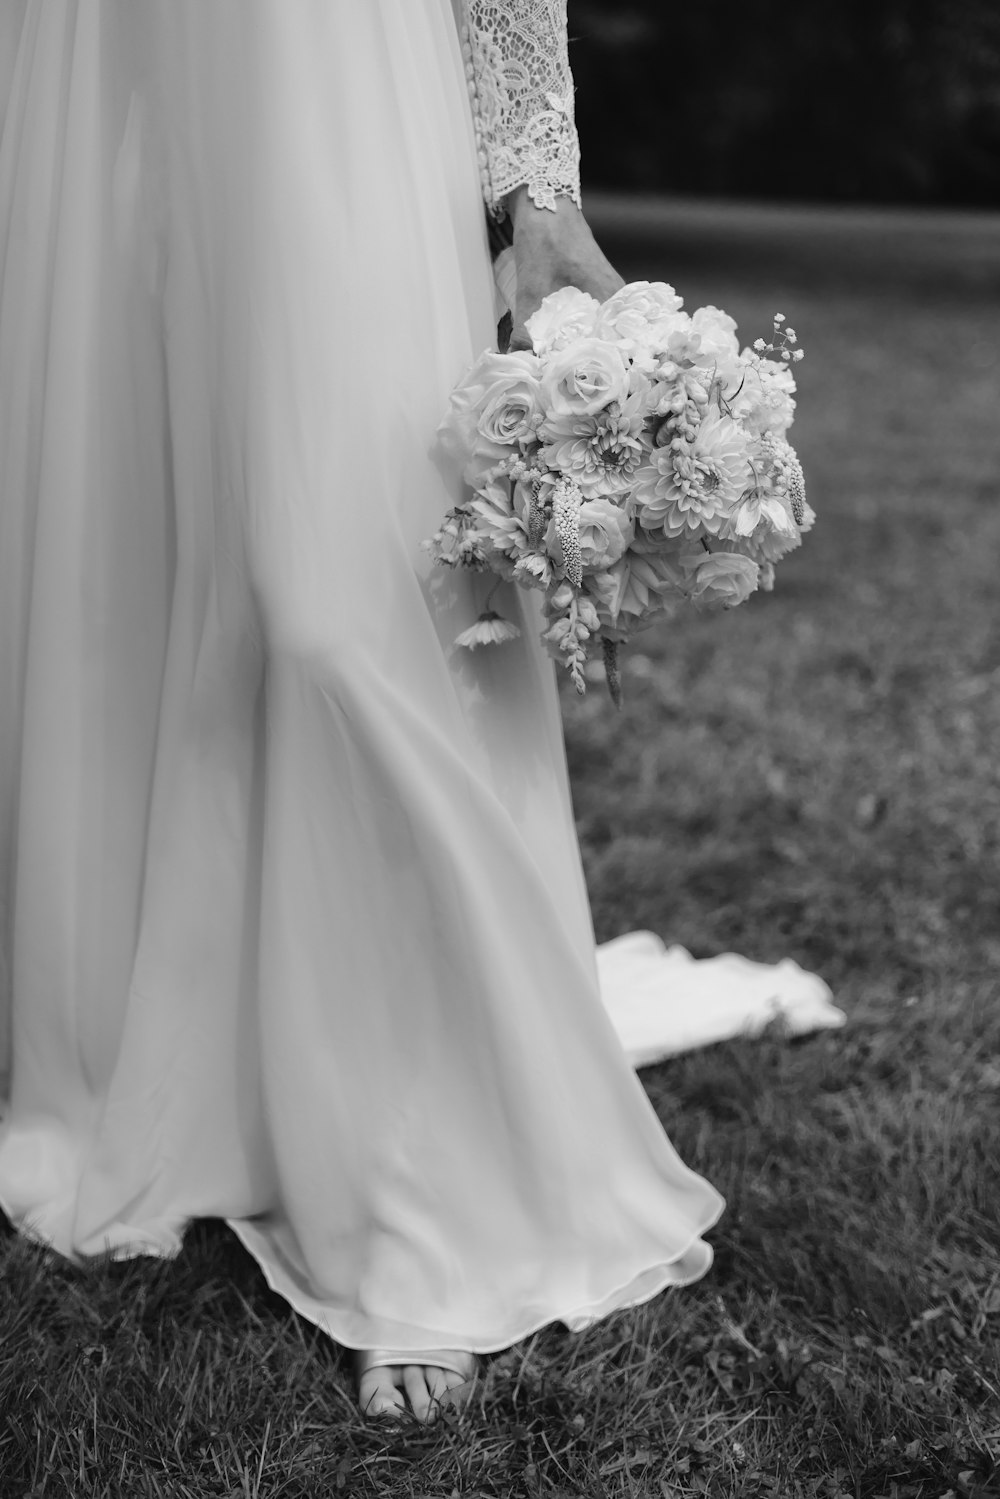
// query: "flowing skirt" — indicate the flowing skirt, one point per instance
point(293, 928)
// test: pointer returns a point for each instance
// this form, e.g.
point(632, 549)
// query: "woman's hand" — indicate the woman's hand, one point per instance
point(552, 250)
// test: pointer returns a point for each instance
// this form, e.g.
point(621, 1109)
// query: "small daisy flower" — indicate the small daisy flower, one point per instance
point(489, 629)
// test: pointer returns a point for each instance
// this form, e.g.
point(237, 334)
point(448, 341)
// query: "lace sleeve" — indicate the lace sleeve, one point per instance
point(517, 65)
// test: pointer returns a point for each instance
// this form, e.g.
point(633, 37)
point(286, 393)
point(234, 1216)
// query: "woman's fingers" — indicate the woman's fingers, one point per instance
point(552, 250)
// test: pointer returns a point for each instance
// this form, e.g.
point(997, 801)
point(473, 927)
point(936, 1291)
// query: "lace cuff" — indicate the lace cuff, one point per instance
point(517, 65)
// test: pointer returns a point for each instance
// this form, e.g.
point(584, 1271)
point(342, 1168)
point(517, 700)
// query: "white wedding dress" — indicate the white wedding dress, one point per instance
point(293, 929)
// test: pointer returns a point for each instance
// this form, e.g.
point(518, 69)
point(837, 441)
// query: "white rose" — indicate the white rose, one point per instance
point(492, 408)
point(606, 531)
point(584, 378)
point(719, 579)
point(650, 300)
point(564, 316)
point(717, 331)
point(512, 407)
point(640, 317)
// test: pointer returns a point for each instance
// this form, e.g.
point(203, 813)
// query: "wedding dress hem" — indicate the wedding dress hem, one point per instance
point(643, 1285)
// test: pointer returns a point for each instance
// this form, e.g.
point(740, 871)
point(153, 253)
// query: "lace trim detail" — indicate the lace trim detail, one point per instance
point(517, 65)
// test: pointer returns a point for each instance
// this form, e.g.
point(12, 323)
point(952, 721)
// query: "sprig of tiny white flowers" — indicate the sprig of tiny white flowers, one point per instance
point(562, 505)
point(788, 471)
point(566, 499)
point(572, 621)
point(783, 341)
point(455, 543)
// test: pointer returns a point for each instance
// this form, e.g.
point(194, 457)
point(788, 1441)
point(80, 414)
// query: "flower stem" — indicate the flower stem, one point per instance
point(489, 597)
point(612, 670)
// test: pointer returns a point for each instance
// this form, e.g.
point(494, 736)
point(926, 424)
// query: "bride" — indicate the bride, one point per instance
point(293, 929)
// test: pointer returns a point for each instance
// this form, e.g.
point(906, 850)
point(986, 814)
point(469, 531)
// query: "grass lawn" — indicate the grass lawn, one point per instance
point(815, 775)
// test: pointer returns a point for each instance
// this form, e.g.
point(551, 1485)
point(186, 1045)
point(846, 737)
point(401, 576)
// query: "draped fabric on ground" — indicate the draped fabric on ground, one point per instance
point(292, 921)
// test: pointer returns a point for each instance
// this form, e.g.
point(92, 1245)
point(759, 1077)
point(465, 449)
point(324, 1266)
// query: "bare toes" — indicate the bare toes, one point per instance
point(447, 1390)
point(458, 1388)
point(379, 1395)
point(436, 1383)
point(415, 1385)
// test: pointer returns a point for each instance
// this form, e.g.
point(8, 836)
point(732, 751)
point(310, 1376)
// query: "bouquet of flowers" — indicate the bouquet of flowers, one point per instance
point(633, 459)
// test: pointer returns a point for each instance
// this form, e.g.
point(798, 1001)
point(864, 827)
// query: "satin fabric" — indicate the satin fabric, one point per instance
point(294, 928)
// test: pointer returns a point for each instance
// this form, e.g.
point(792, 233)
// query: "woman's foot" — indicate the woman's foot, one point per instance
point(393, 1383)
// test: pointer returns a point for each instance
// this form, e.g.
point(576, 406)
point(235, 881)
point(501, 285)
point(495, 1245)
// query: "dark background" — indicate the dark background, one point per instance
point(865, 101)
